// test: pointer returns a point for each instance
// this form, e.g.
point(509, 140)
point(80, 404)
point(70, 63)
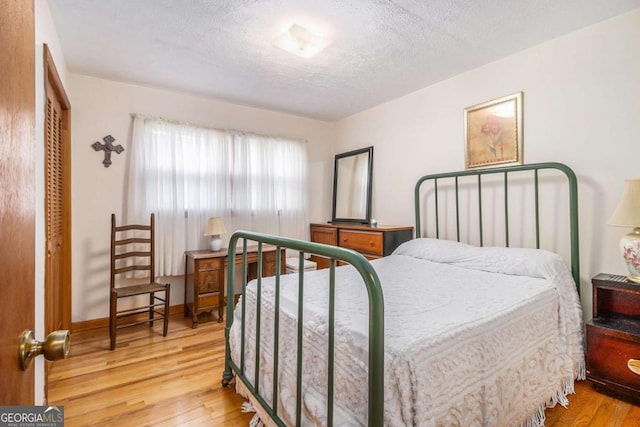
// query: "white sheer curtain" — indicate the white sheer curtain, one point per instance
point(186, 174)
point(270, 185)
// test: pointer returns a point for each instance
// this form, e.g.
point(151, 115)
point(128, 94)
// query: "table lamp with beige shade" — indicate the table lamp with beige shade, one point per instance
point(627, 214)
point(215, 228)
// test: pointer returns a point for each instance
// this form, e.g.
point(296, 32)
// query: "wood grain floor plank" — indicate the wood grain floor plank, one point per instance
point(611, 413)
point(633, 417)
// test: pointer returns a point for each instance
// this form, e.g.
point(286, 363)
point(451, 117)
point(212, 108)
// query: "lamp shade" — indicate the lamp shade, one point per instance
point(627, 214)
point(215, 227)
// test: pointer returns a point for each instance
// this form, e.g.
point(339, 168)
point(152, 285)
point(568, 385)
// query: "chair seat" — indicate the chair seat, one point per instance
point(140, 289)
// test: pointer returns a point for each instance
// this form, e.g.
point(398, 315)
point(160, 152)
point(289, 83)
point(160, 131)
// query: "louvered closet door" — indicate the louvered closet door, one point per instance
point(54, 209)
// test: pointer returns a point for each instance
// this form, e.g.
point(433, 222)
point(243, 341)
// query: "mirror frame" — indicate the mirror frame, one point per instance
point(367, 218)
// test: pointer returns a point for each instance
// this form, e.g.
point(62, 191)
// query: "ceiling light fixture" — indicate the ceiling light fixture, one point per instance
point(301, 42)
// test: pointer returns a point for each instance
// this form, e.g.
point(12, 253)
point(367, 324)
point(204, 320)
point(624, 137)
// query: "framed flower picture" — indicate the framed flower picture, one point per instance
point(493, 133)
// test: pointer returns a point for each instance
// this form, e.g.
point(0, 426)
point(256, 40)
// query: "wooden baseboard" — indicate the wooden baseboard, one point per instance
point(174, 310)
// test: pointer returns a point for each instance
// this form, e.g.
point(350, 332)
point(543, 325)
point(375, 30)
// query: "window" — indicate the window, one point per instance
point(186, 174)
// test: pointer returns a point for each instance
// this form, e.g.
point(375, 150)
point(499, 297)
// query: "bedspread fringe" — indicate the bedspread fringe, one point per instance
point(261, 418)
point(537, 420)
point(538, 417)
point(255, 421)
point(580, 371)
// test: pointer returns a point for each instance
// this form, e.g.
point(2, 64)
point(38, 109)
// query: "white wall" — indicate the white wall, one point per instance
point(45, 33)
point(581, 107)
point(103, 107)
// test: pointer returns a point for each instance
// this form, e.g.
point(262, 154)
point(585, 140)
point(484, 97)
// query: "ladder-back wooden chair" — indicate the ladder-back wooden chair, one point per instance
point(132, 251)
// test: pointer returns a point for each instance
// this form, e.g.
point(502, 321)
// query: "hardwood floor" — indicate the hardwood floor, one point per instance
point(148, 379)
point(587, 407)
point(151, 380)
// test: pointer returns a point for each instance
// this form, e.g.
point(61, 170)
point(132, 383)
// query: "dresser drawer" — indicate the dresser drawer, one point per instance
point(369, 242)
point(372, 242)
point(608, 352)
point(326, 235)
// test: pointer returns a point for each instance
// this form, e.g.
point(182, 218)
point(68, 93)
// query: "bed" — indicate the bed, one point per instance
point(439, 333)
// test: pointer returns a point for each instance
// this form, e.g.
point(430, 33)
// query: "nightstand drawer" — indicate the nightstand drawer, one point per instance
point(608, 352)
point(210, 264)
point(362, 241)
point(210, 281)
point(208, 302)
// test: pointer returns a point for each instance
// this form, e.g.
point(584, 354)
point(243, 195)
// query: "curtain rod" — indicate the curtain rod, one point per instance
point(198, 125)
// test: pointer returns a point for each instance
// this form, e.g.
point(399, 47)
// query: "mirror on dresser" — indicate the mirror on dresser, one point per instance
point(352, 186)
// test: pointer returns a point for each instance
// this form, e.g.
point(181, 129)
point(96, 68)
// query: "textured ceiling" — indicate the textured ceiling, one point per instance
point(379, 49)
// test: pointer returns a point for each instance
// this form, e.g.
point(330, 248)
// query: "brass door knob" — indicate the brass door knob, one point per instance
point(54, 347)
point(634, 366)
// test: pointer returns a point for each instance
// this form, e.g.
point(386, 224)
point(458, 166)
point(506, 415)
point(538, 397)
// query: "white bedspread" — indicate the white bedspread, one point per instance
point(473, 337)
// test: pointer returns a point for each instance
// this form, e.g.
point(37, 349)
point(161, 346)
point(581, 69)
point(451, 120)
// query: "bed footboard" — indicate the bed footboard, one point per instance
point(376, 323)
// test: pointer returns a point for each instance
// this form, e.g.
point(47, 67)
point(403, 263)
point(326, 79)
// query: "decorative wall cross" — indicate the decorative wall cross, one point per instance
point(107, 147)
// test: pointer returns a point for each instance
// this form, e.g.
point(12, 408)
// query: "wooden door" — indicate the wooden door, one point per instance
point(17, 194)
point(57, 200)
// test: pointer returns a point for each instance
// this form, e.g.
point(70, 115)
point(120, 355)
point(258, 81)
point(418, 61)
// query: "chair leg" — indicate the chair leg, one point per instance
point(152, 300)
point(166, 310)
point(113, 301)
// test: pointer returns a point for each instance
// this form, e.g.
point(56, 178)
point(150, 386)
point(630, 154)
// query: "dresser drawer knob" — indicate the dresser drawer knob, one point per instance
point(634, 366)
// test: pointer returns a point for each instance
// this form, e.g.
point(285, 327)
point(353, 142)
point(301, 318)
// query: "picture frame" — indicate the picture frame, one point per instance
point(493, 133)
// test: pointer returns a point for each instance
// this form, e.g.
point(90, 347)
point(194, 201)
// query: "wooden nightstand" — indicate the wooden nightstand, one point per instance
point(613, 337)
point(204, 277)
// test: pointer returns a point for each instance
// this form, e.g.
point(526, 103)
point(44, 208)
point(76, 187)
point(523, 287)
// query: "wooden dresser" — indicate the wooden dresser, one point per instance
point(369, 241)
point(204, 277)
point(613, 337)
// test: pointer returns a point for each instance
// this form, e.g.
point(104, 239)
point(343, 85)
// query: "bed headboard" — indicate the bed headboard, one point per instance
point(471, 183)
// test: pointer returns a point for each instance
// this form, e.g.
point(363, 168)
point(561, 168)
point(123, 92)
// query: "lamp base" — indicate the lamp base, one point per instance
point(216, 243)
point(630, 247)
point(635, 279)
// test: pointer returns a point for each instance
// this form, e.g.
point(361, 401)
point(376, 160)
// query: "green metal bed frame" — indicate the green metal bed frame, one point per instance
point(374, 290)
point(505, 172)
point(376, 322)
